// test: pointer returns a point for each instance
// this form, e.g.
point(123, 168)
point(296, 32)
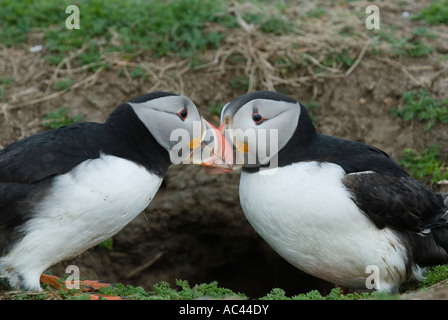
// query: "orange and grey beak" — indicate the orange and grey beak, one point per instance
point(211, 149)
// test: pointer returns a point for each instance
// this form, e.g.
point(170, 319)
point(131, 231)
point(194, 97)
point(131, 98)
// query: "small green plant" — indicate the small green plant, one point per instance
point(335, 294)
point(435, 275)
point(107, 244)
point(240, 83)
point(310, 106)
point(7, 80)
point(316, 12)
point(414, 47)
point(276, 26)
point(424, 165)
point(139, 72)
point(424, 107)
point(270, 21)
point(59, 118)
point(424, 32)
point(64, 84)
point(437, 13)
point(343, 58)
point(215, 108)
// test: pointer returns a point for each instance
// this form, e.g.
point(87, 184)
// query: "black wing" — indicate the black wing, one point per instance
point(400, 202)
point(381, 188)
point(49, 153)
point(28, 166)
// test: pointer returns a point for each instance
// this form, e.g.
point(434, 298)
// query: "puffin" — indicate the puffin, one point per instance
point(340, 210)
point(66, 190)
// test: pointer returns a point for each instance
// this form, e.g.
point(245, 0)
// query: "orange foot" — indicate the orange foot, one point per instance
point(85, 286)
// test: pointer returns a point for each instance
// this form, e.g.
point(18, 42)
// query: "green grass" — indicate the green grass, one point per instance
point(160, 27)
point(107, 244)
point(334, 59)
point(316, 12)
point(422, 106)
point(215, 108)
point(335, 294)
point(269, 23)
point(435, 14)
point(435, 275)
point(59, 118)
point(64, 84)
point(414, 46)
point(425, 165)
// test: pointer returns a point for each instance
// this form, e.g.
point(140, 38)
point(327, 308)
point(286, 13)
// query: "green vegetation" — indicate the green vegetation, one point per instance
point(5, 81)
point(425, 165)
point(184, 291)
point(437, 13)
point(163, 291)
point(268, 23)
point(435, 275)
point(215, 108)
point(310, 106)
point(165, 28)
point(59, 118)
point(316, 12)
point(423, 107)
point(343, 58)
point(139, 72)
point(64, 84)
point(335, 294)
point(414, 46)
point(107, 244)
point(240, 83)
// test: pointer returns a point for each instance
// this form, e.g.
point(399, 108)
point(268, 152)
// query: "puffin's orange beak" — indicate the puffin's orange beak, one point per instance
point(211, 149)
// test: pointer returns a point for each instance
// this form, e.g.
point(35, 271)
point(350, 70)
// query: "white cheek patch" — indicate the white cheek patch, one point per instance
point(266, 139)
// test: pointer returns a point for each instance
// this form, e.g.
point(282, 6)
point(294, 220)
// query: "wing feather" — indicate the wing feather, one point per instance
point(399, 202)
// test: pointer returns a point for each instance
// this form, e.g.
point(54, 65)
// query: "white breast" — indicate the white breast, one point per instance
point(83, 208)
point(306, 214)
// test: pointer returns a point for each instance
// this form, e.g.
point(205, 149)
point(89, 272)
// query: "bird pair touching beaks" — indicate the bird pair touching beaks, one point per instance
point(331, 207)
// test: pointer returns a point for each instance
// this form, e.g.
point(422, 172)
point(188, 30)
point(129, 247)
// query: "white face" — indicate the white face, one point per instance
point(176, 124)
point(261, 128)
point(163, 115)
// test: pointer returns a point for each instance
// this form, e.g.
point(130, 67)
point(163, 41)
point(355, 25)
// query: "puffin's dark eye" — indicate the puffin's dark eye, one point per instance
point(183, 113)
point(257, 118)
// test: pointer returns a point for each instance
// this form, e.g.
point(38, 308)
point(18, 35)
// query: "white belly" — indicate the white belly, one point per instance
point(84, 207)
point(305, 213)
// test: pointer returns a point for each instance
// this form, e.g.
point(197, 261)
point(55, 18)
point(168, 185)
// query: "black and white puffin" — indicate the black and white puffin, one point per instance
point(65, 190)
point(339, 210)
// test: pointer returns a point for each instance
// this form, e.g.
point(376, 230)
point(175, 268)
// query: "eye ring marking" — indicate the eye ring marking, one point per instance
point(257, 118)
point(183, 114)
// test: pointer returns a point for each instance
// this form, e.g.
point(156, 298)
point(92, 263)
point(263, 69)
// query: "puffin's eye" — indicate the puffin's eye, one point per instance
point(257, 118)
point(183, 113)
